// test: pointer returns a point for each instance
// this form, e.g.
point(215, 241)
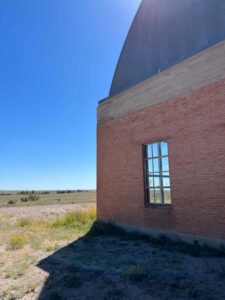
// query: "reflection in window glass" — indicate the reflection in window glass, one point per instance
point(155, 150)
point(167, 196)
point(152, 195)
point(166, 182)
point(156, 165)
point(157, 173)
point(157, 182)
point(165, 164)
point(166, 174)
point(164, 149)
point(157, 196)
point(149, 151)
point(151, 182)
point(150, 166)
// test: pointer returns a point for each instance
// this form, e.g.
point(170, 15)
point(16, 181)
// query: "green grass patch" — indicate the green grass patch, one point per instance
point(18, 241)
point(78, 219)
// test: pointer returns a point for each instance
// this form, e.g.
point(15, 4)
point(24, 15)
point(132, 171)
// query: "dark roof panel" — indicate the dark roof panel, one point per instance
point(165, 32)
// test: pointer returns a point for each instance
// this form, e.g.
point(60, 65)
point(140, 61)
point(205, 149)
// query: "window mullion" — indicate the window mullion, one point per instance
point(147, 177)
point(161, 174)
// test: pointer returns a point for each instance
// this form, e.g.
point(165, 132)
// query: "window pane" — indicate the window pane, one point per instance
point(151, 181)
point(157, 196)
point(149, 150)
point(164, 149)
point(166, 182)
point(165, 164)
point(167, 196)
point(155, 150)
point(151, 196)
point(156, 165)
point(157, 181)
point(150, 166)
point(165, 174)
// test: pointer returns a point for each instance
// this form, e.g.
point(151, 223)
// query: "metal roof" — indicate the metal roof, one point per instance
point(165, 32)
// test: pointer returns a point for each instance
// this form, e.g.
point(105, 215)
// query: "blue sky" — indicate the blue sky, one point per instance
point(57, 60)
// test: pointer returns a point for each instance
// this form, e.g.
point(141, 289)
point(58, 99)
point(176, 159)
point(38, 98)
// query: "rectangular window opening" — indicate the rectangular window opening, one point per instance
point(157, 173)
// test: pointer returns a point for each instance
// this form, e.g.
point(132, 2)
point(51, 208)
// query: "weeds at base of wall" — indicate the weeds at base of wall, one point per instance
point(195, 249)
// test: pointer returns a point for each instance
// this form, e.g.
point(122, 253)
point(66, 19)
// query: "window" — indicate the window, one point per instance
point(157, 174)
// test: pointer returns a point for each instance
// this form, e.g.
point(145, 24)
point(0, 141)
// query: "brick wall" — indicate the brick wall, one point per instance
point(194, 125)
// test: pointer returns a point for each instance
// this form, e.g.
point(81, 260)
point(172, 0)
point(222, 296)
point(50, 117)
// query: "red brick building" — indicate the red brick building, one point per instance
point(161, 131)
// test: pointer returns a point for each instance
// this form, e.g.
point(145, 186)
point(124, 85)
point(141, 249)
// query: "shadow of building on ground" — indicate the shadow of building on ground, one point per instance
point(117, 266)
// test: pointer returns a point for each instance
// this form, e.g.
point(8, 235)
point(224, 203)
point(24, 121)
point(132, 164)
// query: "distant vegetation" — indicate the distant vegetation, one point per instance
point(22, 198)
point(9, 193)
point(75, 191)
point(31, 197)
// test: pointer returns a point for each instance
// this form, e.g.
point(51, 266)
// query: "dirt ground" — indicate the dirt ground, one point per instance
point(84, 262)
point(40, 211)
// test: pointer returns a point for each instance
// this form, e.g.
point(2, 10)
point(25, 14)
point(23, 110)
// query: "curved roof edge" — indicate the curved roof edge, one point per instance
point(165, 32)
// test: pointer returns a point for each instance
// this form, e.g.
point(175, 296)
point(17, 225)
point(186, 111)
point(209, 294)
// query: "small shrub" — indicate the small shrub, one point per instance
point(18, 241)
point(33, 197)
point(135, 273)
point(10, 202)
point(24, 200)
point(25, 222)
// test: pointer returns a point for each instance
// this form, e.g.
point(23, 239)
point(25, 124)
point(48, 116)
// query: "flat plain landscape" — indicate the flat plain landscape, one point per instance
point(59, 252)
point(31, 198)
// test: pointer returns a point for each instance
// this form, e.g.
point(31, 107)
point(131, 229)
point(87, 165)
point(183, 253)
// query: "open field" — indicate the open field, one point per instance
point(46, 198)
point(63, 256)
point(31, 235)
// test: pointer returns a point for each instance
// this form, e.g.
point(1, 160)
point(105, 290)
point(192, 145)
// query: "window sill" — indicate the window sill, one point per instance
point(158, 205)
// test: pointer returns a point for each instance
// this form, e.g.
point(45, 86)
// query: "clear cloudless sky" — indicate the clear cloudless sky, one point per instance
point(57, 59)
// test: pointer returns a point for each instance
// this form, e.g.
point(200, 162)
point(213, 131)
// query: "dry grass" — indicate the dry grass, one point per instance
point(53, 257)
point(25, 241)
point(17, 271)
point(18, 241)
